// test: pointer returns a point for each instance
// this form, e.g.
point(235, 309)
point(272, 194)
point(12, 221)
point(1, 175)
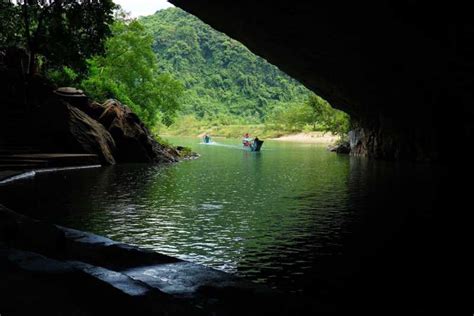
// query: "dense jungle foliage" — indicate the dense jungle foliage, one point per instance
point(226, 85)
point(221, 76)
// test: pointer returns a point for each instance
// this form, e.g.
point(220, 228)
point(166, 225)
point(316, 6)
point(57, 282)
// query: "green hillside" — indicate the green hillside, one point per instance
point(221, 76)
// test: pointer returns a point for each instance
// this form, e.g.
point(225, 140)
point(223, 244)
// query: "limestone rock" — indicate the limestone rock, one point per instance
point(343, 148)
point(91, 135)
point(37, 115)
point(68, 129)
point(73, 96)
point(70, 92)
point(134, 142)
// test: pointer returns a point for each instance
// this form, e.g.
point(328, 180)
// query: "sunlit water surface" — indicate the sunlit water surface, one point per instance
point(288, 216)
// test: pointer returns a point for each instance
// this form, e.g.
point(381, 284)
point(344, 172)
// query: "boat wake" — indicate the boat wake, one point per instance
point(223, 145)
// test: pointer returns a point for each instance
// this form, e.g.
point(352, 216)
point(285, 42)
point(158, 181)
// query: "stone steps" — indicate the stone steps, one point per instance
point(19, 161)
point(18, 142)
point(118, 280)
point(15, 160)
point(94, 290)
point(179, 278)
point(21, 166)
point(16, 127)
point(213, 291)
point(145, 282)
point(17, 149)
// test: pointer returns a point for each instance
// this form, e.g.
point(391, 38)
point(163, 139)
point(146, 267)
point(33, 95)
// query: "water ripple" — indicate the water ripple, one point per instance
point(267, 217)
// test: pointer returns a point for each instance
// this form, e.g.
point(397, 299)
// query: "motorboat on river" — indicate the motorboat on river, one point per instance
point(206, 139)
point(256, 145)
point(252, 145)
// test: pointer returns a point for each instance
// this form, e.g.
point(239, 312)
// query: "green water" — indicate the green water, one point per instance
point(286, 216)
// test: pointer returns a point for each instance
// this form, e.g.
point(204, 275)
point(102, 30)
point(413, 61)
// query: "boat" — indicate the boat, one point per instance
point(206, 139)
point(253, 146)
point(256, 145)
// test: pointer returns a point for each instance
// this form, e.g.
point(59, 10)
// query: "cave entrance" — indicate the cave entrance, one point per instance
point(294, 217)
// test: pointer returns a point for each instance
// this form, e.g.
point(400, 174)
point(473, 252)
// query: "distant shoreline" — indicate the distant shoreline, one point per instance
point(308, 137)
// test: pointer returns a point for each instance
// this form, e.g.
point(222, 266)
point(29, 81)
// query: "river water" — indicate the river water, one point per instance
point(294, 216)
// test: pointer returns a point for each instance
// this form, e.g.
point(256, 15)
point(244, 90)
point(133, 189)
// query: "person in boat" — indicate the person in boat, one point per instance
point(207, 139)
point(255, 143)
point(246, 140)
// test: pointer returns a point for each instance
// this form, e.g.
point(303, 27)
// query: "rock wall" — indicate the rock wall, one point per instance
point(64, 128)
point(110, 130)
point(36, 117)
point(133, 140)
point(405, 76)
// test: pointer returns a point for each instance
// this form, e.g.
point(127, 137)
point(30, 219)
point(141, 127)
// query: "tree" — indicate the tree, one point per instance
point(328, 118)
point(292, 117)
point(62, 32)
point(10, 33)
point(315, 112)
point(128, 71)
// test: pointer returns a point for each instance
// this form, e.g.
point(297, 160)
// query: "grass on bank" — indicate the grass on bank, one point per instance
point(189, 125)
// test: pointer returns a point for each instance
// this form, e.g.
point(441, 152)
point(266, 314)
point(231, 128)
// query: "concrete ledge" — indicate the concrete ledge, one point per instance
point(131, 279)
point(9, 176)
point(32, 284)
point(105, 252)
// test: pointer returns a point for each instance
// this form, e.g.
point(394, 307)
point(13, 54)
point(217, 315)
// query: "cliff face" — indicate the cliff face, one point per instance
point(402, 70)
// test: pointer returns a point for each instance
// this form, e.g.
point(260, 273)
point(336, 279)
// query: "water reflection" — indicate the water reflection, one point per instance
point(292, 216)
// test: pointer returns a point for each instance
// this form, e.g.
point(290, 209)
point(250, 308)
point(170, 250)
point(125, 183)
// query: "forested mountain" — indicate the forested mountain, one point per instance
point(221, 76)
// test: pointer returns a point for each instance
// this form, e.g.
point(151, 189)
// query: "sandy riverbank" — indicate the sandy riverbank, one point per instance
point(311, 137)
